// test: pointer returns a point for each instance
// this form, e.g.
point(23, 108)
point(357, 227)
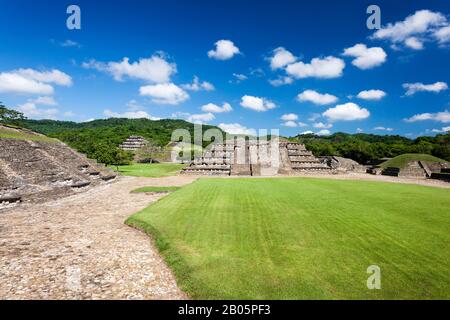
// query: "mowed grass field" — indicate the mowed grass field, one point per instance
point(150, 170)
point(303, 238)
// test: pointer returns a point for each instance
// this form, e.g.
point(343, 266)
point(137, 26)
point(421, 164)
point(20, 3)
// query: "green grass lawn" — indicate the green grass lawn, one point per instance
point(152, 170)
point(303, 238)
point(402, 160)
point(155, 189)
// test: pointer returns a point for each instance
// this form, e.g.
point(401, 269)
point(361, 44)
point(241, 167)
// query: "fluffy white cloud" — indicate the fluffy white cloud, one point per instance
point(129, 114)
point(328, 67)
point(414, 43)
point(443, 34)
point(371, 94)
point(201, 118)
point(383, 129)
point(198, 85)
point(289, 117)
point(164, 93)
point(281, 81)
point(443, 116)
point(257, 103)
point(154, 69)
point(316, 97)
point(281, 58)
point(225, 50)
point(30, 109)
point(323, 132)
point(412, 88)
point(290, 124)
point(346, 112)
point(214, 108)
point(306, 132)
point(366, 58)
point(70, 43)
point(420, 24)
point(236, 128)
point(321, 125)
point(30, 81)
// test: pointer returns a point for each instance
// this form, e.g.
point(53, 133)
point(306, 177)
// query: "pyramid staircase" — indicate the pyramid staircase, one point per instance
point(222, 159)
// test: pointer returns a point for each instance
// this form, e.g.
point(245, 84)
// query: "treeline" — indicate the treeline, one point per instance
point(366, 147)
point(103, 134)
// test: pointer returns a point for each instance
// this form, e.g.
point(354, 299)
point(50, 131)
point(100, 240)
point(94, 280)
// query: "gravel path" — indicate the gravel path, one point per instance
point(79, 247)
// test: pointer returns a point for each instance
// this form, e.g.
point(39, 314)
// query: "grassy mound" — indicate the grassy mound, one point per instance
point(402, 160)
point(155, 189)
point(151, 170)
point(18, 134)
point(304, 238)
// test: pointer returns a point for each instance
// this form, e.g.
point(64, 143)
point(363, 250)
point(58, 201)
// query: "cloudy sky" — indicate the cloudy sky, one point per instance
point(300, 66)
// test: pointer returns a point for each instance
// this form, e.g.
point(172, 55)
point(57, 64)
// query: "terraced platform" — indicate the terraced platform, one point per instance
point(40, 170)
point(252, 158)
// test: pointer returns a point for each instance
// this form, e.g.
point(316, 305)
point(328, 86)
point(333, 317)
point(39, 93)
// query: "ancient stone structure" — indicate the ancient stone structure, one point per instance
point(343, 165)
point(417, 169)
point(38, 170)
point(255, 158)
point(133, 143)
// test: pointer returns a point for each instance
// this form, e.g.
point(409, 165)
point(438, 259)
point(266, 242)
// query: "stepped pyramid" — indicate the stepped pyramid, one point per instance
point(253, 158)
point(39, 170)
point(133, 143)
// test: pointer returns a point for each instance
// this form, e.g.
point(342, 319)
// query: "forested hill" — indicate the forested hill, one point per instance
point(95, 135)
point(87, 137)
point(364, 147)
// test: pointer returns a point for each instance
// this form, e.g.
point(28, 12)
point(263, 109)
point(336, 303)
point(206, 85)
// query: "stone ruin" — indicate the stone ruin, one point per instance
point(256, 158)
point(133, 143)
point(36, 171)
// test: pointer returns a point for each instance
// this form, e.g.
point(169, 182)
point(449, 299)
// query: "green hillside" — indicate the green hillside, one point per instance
point(402, 160)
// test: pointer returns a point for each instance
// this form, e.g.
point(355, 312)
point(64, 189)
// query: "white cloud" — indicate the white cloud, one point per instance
point(302, 124)
point(201, 118)
point(321, 125)
point(323, 132)
point(412, 88)
point(290, 124)
point(371, 94)
point(225, 50)
point(346, 112)
point(443, 116)
point(68, 114)
point(442, 35)
point(328, 67)
point(257, 103)
point(306, 132)
point(240, 77)
point(414, 43)
point(316, 97)
point(236, 128)
point(420, 24)
point(289, 117)
point(70, 43)
point(129, 114)
point(154, 69)
point(214, 108)
point(281, 81)
point(383, 129)
point(30, 81)
point(359, 130)
point(198, 85)
point(31, 110)
point(366, 58)
point(281, 58)
point(46, 101)
point(164, 93)
point(133, 105)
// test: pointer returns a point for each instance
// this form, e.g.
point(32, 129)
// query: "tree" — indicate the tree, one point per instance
point(9, 116)
point(110, 155)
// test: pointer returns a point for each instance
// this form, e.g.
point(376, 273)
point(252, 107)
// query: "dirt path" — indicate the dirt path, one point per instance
point(79, 247)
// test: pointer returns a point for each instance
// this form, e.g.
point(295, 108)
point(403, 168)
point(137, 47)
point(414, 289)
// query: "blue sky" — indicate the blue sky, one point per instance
point(331, 72)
